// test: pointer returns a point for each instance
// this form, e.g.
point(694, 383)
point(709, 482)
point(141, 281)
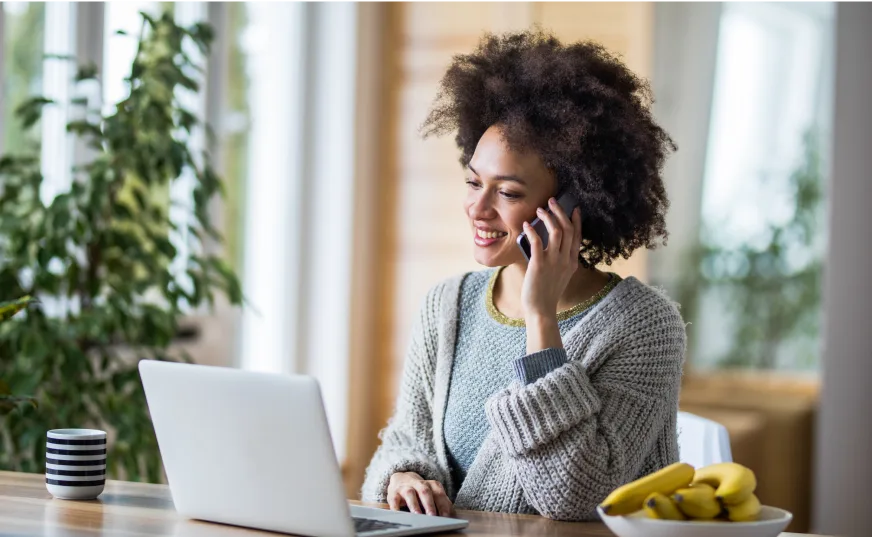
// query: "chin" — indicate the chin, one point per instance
point(484, 259)
point(498, 259)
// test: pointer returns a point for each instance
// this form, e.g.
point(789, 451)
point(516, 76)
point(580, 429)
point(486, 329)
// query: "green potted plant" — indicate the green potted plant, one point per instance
point(101, 260)
point(9, 402)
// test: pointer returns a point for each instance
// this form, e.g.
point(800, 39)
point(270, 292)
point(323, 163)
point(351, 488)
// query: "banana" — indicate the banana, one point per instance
point(746, 511)
point(629, 498)
point(660, 506)
point(733, 482)
point(697, 501)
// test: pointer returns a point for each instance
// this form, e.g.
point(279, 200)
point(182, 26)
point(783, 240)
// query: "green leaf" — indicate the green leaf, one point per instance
point(86, 72)
point(30, 110)
point(122, 211)
point(17, 164)
point(187, 120)
point(84, 128)
point(8, 309)
point(164, 246)
point(9, 403)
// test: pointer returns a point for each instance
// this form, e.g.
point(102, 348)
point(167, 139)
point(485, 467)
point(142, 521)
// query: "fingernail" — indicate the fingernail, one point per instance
point(539, 210)
point(552, 201)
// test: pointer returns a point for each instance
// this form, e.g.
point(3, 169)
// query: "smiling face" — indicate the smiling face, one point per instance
point(504, 189)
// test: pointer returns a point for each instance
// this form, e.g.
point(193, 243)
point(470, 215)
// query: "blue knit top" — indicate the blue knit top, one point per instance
point(489, 354)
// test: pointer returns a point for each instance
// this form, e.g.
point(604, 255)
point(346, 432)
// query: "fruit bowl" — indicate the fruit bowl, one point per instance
point(772, 521)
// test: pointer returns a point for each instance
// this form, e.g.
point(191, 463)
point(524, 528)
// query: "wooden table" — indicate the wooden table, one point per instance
point(139, 509)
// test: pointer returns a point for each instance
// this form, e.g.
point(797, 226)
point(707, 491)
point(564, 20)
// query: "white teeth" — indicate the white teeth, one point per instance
point(489, 234)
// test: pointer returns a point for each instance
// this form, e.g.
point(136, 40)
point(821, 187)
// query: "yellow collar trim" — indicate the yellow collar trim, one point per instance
point(499, 317)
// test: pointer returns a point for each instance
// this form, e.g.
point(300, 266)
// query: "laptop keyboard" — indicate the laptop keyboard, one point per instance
point(363, 525)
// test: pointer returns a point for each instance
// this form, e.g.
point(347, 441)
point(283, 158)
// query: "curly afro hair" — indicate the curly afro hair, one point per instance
point(584, 113)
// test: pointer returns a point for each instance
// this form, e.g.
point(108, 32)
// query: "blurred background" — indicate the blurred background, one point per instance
point(337, 217)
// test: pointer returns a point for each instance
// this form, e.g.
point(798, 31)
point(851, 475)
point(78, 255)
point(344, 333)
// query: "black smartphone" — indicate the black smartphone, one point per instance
point(567, 202)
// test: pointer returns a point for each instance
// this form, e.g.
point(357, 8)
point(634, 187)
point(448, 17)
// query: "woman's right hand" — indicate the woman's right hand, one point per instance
point(411, 490)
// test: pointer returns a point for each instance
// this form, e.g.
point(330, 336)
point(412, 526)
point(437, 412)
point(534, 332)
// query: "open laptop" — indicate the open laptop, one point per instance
point(254, 449)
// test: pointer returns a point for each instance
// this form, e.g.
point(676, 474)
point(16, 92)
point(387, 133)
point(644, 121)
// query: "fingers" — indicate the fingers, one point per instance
point(535, 241)
point(418, 495)
point(555, 231)
point(443, 504)
point(410, 495)
point(425, 496)
point(564, 223)
point(394, 500)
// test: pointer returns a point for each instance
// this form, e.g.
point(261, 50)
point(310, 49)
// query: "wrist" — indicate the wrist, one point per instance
point(543, 332)
point(541, 319)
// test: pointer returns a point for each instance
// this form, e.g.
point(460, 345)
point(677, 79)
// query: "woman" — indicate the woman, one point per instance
point(540, 386)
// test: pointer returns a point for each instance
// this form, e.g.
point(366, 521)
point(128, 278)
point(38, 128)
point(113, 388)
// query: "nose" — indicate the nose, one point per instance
point(480, 207)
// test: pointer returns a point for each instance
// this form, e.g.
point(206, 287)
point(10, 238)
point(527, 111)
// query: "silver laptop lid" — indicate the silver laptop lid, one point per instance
point(237, 450)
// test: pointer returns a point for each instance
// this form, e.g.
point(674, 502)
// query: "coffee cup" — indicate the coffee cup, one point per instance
point(75, 463)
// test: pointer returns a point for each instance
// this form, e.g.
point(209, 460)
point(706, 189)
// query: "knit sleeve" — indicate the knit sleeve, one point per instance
point(406, 441)
point(572, 437)
point(532, 367)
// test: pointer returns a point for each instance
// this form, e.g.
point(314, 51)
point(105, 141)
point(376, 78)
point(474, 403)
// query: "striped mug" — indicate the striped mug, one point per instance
point(75, 463)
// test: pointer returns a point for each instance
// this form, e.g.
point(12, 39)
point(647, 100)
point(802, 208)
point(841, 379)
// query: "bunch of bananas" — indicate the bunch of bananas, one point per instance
point(720, 492)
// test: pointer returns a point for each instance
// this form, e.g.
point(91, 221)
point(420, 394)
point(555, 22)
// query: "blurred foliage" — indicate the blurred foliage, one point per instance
point(11, 307)
point(9, 402)
point(98, 257)
point(772, 289)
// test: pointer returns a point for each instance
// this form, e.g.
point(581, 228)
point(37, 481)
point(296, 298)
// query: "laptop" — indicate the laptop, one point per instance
point(254, 449)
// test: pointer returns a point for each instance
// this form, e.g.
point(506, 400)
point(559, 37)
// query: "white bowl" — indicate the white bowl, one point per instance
point(772, 522)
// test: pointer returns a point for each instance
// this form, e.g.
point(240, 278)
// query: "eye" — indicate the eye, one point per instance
point(472, 182)
point(509, 195)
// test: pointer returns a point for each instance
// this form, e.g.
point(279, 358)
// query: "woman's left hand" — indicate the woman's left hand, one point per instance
point(551, 269)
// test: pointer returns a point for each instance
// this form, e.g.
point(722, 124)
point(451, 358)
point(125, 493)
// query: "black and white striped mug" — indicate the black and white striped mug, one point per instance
point(75, 463)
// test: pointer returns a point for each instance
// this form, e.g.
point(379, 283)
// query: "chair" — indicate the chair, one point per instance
point(702, 441)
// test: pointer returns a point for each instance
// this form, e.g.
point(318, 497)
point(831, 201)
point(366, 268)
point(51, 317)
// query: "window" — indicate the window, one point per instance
point(23, 47)
point(119, 50)
point(301, 83)
point(234, 125)
point(753, 290)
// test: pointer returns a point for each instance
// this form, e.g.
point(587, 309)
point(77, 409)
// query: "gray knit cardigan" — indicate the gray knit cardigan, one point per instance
point(558, 446)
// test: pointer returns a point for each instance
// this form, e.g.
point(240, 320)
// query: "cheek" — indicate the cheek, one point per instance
point(516, 218)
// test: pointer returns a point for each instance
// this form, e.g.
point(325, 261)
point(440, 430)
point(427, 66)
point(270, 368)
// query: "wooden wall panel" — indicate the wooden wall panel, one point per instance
point(431, 237)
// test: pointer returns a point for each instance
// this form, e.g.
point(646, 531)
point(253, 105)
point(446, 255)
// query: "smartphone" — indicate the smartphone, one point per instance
point(567, 202)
